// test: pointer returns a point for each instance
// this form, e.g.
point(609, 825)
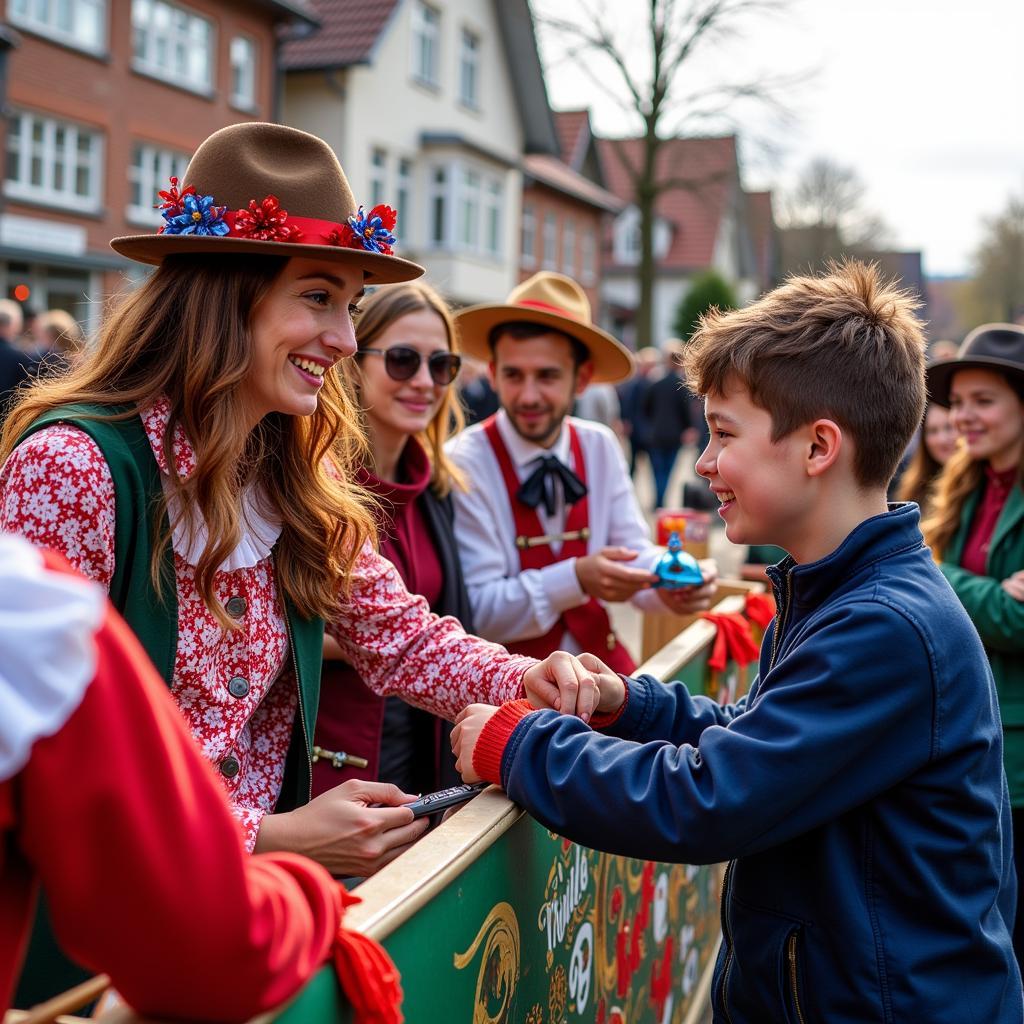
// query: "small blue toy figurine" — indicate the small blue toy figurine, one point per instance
point(676, 568)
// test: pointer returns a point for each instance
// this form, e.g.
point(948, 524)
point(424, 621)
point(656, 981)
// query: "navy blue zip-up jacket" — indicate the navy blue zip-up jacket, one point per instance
point(858, 790)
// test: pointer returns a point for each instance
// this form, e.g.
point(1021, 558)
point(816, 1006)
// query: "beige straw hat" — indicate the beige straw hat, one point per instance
point(555, 301)
point(265, 189)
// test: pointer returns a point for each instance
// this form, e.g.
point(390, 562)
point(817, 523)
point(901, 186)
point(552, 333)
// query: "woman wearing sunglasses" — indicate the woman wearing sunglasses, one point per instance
point(404, 366)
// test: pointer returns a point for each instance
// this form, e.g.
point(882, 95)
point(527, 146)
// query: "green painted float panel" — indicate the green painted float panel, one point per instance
point(541, 931)
point(320, 1001)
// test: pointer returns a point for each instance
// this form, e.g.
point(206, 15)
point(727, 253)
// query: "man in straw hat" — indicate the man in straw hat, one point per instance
point(550, 527)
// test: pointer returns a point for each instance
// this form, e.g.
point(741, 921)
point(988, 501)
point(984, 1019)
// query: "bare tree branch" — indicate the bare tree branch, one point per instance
point(598, 37)
point(647, 85)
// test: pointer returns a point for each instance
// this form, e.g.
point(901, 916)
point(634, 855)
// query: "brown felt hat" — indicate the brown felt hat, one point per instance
point(236, 171)
point(998, 347)
point(551, 300)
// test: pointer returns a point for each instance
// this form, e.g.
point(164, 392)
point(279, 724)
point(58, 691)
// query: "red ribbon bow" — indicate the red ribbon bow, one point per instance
point(733, 641)
point(760, 608)
point(368, 976)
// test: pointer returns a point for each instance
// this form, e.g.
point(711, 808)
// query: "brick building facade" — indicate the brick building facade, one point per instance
point(105, 99)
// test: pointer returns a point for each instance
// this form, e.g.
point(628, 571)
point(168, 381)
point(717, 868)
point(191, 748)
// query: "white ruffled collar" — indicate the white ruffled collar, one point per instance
point(261, 525)
point(47, 653)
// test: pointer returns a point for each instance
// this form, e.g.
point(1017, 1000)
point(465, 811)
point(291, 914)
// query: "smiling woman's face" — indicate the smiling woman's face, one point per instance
point(400, 408)
point(989, 415)
point(300, 329)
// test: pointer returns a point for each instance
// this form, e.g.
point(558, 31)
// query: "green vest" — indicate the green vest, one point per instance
point(153, 617)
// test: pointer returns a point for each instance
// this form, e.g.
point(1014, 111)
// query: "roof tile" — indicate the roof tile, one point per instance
point(349, 29)
point(555, 174)
point(708, 169)
point(569, 124)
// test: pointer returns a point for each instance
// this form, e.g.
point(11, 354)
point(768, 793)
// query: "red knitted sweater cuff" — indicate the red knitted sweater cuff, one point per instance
point(490, 744)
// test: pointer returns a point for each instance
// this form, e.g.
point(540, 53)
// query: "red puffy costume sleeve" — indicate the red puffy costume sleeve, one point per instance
point(124, 824)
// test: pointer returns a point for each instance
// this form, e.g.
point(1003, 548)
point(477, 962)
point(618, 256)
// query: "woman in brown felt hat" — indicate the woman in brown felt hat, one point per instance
point(200, 466)
point(976, 529)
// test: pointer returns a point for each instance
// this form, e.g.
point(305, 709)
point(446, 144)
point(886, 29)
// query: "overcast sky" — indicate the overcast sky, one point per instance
point(925, 100)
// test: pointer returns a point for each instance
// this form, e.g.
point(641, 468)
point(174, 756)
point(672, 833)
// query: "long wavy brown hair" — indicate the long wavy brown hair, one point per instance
point(960, 477)
point(919, 476)
point(185, 333)
point(376, 314)
point(922, 470)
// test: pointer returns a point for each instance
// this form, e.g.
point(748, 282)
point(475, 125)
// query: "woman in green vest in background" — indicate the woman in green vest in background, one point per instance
point(976, 529)
point(198, 462)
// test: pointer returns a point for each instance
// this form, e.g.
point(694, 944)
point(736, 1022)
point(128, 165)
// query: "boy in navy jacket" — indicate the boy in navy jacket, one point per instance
point(858, 789)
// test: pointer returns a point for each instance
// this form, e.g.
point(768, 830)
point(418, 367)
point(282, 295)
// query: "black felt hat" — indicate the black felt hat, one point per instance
point(998, 347)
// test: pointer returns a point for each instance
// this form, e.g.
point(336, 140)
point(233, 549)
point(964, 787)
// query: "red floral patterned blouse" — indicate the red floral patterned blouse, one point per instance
point(236, 688)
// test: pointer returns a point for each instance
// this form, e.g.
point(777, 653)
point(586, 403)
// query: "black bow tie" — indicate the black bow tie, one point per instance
point(540, 485)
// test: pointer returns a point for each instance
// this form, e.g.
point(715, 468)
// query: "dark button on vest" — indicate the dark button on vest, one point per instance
point(238, 687)
point(235, 607)
point(229, 767)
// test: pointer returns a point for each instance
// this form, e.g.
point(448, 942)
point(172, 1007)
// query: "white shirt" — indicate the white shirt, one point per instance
point(47, 653)
point(510, 603)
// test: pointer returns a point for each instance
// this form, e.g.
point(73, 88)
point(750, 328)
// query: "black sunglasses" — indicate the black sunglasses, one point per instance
point(402, 363)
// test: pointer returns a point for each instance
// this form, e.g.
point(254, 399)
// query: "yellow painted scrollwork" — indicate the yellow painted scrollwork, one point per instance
point(499, 965)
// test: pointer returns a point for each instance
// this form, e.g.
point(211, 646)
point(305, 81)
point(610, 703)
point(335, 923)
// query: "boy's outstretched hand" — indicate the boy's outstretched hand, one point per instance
point(605, 692)
point(464, 736)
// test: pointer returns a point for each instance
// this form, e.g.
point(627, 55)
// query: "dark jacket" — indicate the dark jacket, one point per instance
point(667, 408)
point(15, 368)
point(859, 787)
point(998, 617)
point(632, 395)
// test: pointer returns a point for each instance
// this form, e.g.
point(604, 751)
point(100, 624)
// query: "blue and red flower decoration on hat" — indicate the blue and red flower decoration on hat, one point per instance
point(187, 213)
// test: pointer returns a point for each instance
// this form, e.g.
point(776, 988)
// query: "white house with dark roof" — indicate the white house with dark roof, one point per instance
point(431, 107)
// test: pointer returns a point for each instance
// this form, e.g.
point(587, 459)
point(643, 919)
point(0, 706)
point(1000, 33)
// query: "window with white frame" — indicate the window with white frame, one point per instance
point(627, 241)
point(439, 204)
point(173, 43)
point(403, 198)
point(466, 207)
point(469, 69)
point(78, 23)
point(626, 236)
point(243, 72)
point(588, 253)
point(54, 162)
point(549, 241)
point(469, 208)
point(569, 247)
point(426, 43)
point(378, 176)
point(492, 217)
point(150, 171)
point(528, 255)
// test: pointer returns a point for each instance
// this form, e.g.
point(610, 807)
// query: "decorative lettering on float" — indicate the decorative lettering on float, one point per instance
point(555, 914)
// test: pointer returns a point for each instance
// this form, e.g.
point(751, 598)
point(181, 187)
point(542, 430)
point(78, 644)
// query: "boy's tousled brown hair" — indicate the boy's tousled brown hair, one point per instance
point(843, 345)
